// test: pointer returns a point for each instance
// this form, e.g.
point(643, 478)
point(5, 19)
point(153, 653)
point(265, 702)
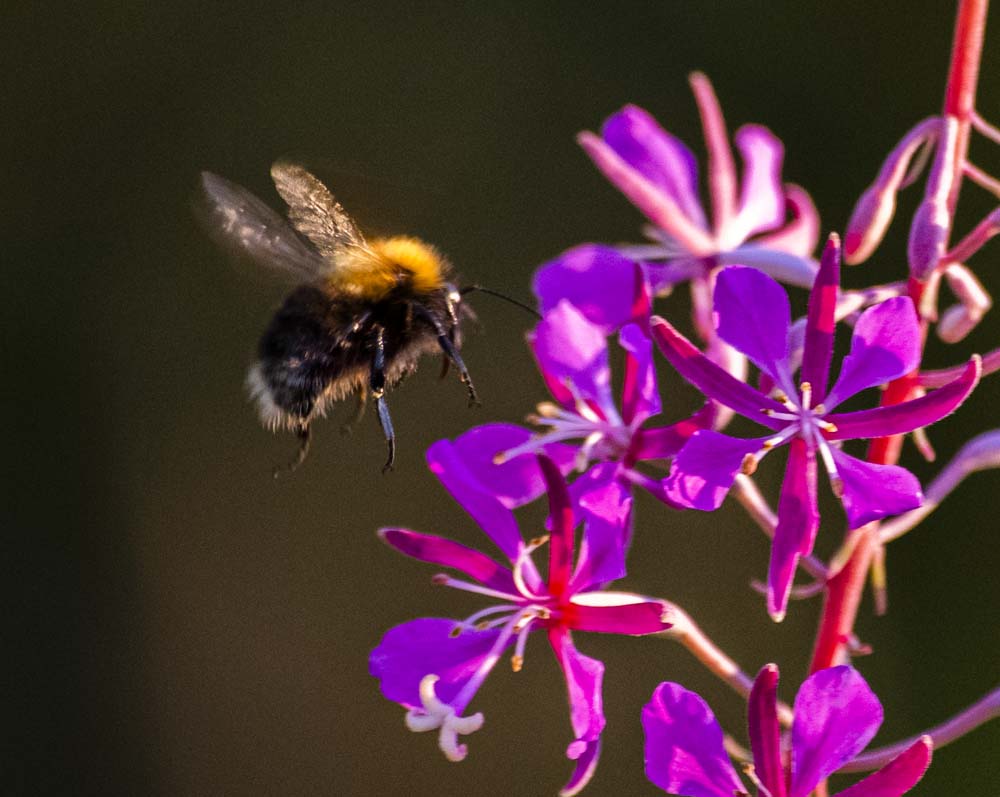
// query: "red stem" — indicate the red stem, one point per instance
point(843, 596)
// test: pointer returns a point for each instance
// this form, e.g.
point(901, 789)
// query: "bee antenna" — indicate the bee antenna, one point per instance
point(515, 302)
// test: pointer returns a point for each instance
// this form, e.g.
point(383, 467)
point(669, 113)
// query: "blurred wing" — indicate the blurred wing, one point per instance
point(313, 210)
point(246, 227)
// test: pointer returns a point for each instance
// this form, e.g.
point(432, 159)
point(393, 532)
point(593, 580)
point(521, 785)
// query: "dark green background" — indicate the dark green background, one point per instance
point(180, 624)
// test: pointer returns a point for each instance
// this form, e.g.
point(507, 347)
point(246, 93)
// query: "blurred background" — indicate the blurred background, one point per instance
point(184, 625)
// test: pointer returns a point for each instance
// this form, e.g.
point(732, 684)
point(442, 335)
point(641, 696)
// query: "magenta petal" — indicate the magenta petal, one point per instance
point(885, 346)
point(801, 234)
point(762, 197)
point(661, 158)
point(486, 509)
point(753, 316)
point(898, 776)
point(705, 468)
point(605, 506)
point(597, 280)
point(441, 551)
point(715, 382)
point(875, 491)
point(662, 442)
point(640, 397)
point(615, 613)
point(836, 715)
point(821, 322)
point(561, 525)
point(798, 521)
point(586, 755)
point(765, 733)
point(583, 685)
point(569, 348)
point(910, 415)
point(418, 648)
point(684, 751)
point(517, 481)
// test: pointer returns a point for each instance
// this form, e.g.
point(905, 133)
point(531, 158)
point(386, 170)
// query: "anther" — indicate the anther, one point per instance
point(837, 485)
point(749, 465)
point(806, 389)
point(538, 542)
point(439, 579)
point(546, 409)
point(516, 663)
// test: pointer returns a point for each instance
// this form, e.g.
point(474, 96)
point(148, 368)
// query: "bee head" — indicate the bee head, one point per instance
point(421, 264)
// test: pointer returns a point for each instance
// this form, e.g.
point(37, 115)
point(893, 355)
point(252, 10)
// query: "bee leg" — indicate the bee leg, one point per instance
point(304, 435)
point(359, 412)
point(376, 384)
point(451, 353)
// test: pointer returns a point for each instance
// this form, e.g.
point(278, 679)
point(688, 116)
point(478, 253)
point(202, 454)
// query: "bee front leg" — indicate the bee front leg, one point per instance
point(376, 384)
point(304, 434)
point(451, 352)
point(359, 412)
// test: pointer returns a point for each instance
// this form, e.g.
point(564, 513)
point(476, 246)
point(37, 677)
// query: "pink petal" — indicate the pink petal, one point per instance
point(586, 755)
point(615, 613)
point(836, 716)
point(765, 733)
point(820, 322)
point(716, 383)
point(898, 776)
point(662, 442)
point(762, 200)
point(661, 158)
point(441, 551)
point(640, 397)
point(798, 521)
point(800, 235)
point(586, 710)
point(910, 415)
point(875, 491)
point(684, 751)
point(885, 346)
point(753, 316)
point(561, 524)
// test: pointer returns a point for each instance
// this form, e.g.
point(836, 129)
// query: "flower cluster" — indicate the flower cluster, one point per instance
point(601, 435)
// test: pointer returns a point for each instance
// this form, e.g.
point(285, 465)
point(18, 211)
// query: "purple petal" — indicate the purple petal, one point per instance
point(516, 481)
point(800, 235)
point(753, 316)
point(684, 751)
point(597, 280)
point(441, 551)
point(715, 382)
point(586, 755)
point(762, 199)
point(910, 415)
point(821, 322)
point(486, 509)
point(798, 521)
point(658, 206)
point(661, 158)
point(615, 613)
point(569, 348)
point(665, 441)
point(765, 733)
point(898, 776)
point(640, 397)
point(561, 525)
point(583, 686)
point(705, 468)
point(836, 715)
point(885, 346)
point(871, 491)
point(412, 650)
point(605, 506)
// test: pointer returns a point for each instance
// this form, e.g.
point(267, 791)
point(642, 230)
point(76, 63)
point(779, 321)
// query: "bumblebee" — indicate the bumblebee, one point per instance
point(360, 319)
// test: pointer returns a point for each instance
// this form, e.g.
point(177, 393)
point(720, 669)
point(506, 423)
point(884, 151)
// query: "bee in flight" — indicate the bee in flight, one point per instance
point(364, 313)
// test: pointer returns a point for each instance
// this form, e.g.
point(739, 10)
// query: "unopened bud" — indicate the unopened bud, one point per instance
point(928, 236)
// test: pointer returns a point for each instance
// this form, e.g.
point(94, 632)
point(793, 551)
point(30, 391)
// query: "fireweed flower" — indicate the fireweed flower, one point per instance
point(835, 716)
point(572, 355)
point(659, 174)
point(435, 666)
point(753, 316)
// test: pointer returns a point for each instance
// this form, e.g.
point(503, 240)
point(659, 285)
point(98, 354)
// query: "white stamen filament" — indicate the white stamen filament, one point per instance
point(444, 580)
point(523, 558)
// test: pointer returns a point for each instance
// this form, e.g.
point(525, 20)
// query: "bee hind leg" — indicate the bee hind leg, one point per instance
point(376, 385)
point(304, 435)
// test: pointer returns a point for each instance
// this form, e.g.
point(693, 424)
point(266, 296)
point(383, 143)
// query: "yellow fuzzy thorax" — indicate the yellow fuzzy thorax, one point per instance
point(386, 264)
